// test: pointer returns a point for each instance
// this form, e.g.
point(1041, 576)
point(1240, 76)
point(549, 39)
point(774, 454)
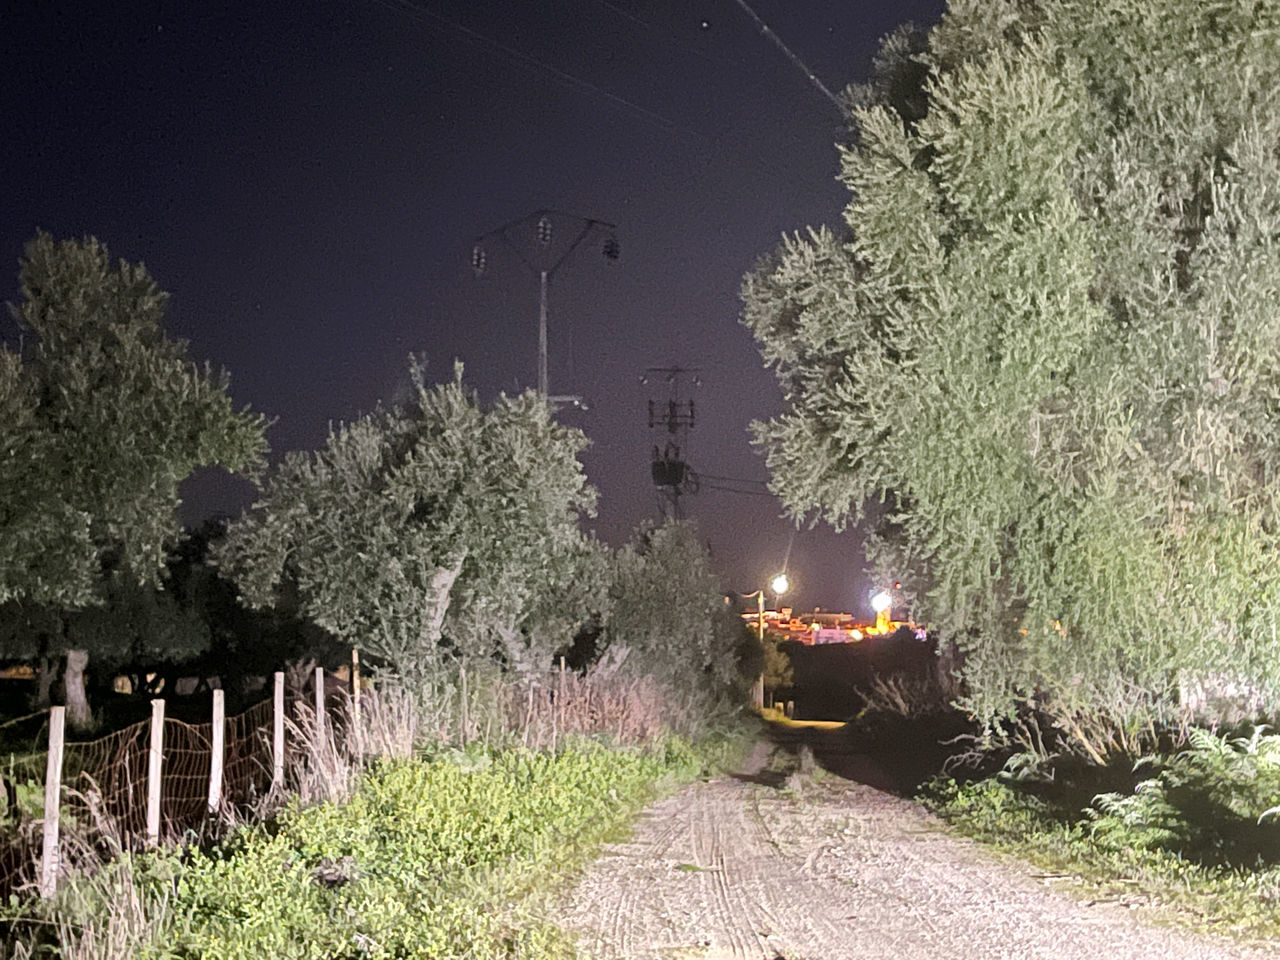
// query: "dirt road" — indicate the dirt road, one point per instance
point(738, 868)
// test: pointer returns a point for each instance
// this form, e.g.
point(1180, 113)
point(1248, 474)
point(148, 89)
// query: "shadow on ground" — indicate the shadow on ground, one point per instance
point(888, 752)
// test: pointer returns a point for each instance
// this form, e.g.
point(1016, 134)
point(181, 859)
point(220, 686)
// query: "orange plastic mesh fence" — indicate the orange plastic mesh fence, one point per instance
point(247, 765)
point(105, 788)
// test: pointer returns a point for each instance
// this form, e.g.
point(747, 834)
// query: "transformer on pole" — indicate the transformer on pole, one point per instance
point(672, 415)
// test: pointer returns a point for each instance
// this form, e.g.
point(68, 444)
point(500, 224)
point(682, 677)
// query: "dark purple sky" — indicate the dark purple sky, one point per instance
point(307, 180)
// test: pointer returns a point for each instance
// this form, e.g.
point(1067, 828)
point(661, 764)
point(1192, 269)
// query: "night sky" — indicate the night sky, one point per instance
point(307, 180)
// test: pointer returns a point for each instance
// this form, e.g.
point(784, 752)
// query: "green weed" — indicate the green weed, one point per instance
point(1214, 802)
point(1197, 839)
point(441, 856)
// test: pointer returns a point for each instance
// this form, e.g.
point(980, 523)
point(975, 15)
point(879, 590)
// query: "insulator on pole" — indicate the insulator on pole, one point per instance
point(544, 230)
point(478, 260)
point(612, 250)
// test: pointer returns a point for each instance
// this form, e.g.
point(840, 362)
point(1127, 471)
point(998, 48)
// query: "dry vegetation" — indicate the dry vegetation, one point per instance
point(114, 904)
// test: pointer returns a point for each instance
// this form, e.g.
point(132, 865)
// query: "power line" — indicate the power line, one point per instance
point(745, 493)
point(712, 476)
point(724, 151)
point(800, 65)
point(421, 13)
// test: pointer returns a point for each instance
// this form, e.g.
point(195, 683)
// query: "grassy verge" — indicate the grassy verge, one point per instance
point(1185, 841)
point(439, 856)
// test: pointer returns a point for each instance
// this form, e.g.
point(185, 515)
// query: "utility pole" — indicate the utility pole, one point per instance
point(673, 416)
point(543, 259)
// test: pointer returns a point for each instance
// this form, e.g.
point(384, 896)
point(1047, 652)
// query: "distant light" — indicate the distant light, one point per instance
point(881, 601)
point(478, 260)
point(544, 230)
point(780, 584)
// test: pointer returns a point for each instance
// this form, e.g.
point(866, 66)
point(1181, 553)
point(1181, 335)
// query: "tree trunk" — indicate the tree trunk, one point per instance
point(439, 590)
point(45, 675)
point(77, 703)
point(519, 655)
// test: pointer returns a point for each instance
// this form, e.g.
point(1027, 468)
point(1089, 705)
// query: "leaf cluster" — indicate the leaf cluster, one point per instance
point(669, 619)
point(1214, 802)
point(1142, 849)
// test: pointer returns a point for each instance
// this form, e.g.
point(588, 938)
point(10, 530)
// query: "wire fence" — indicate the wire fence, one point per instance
point(109, 775)
point(165, 781)
point(105, 789)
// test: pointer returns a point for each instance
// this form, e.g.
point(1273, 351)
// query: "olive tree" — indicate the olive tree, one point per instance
point(1049, 343)
point(669, 619)
point(102, 417)
point(425, 532)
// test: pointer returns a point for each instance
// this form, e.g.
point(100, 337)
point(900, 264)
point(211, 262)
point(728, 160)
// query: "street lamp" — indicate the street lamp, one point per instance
point(880, 604)
point(544, 265)
point(779, 584)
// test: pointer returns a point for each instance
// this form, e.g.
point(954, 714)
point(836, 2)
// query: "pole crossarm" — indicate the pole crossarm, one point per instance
point(544, 267)
point(502, 233)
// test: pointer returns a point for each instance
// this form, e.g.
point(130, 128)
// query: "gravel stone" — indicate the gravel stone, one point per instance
point(838, 870)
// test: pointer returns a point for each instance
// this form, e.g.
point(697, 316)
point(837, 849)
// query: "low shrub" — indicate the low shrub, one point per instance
point(1214, 802)
point(1198, 838)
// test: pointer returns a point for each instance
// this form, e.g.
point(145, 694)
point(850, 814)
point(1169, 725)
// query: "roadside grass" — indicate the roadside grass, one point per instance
point(451, 854)
point(1196, 837)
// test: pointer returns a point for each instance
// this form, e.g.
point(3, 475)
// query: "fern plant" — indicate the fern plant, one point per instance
point(1215, 801)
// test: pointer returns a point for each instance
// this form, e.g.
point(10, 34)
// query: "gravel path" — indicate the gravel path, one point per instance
point(734, 868)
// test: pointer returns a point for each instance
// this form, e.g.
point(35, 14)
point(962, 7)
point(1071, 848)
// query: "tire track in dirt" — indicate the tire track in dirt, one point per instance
point(733, 869)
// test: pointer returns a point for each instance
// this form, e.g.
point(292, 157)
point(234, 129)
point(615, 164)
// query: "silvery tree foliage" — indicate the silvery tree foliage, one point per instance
point(1049, 343)
point(101, 419)
point(669, 620)
point(424, 533)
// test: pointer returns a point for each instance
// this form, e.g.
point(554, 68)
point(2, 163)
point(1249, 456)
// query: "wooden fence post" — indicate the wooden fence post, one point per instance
point(559, 708)
point(52, 803)
point(218, 748)
point(355, 700)
point(319, 730)
point(464, 720)
point(528, 715)
point(277, 734)
point(154, 766)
